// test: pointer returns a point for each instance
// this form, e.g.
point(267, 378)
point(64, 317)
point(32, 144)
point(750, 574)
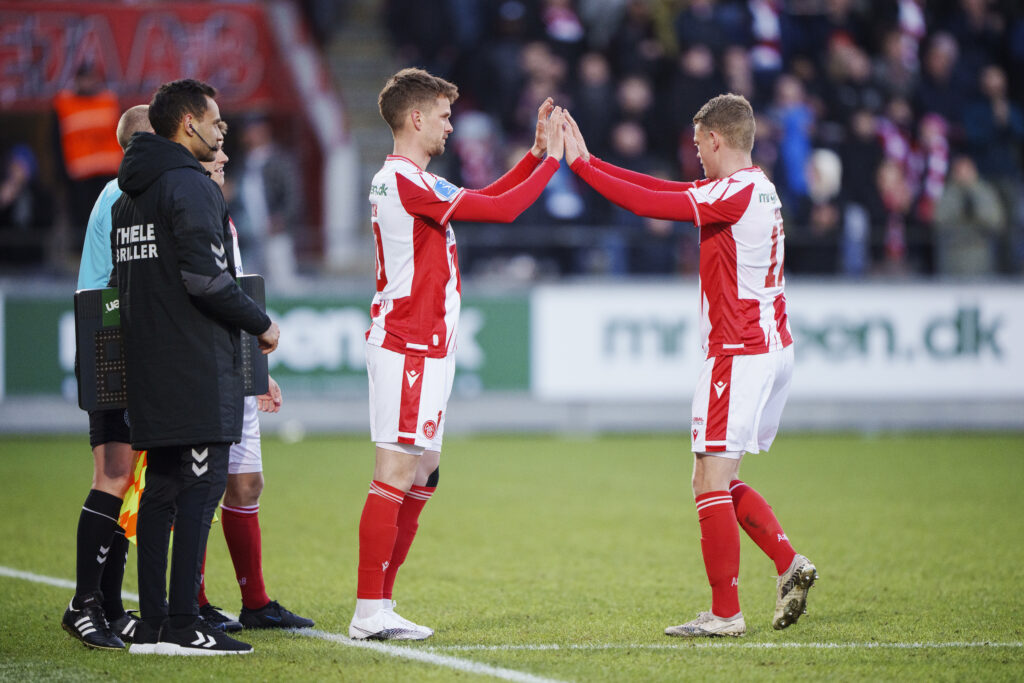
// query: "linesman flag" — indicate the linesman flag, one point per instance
point(129, 516)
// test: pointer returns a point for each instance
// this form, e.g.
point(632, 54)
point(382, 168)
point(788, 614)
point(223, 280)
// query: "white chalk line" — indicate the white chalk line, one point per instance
point(417, 654)
point(725, 644)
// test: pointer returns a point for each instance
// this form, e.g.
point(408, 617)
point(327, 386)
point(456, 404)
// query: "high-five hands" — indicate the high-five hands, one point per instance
point(575, 146)
point(556, 134)
point(540, 140)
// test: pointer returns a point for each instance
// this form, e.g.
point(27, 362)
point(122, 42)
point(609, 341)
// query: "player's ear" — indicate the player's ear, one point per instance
point(416, 118)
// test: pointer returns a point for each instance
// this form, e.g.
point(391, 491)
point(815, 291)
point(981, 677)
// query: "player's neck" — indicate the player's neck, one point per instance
point(733, 162)
point(412, 152)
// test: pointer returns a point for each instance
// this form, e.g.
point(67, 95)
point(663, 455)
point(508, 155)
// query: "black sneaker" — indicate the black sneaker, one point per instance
point(212, 616)
point(124, 626)
point(272, 615)
point(144, 639)
point(89, 625)
point(200, 638)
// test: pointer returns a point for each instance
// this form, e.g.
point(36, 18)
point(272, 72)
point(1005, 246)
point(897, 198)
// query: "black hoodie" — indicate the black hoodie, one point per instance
point(181, 309)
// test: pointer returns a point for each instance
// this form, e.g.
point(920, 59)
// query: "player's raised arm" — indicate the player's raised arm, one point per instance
point(673, 206)
point(641, 179)
point(522, 170)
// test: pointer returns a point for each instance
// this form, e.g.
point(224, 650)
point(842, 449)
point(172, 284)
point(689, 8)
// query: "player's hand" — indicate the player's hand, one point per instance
point(270, 402)
point(540, 140)
point(556, 134)
point(268, 340)
point(572, 147)
point(578, 137)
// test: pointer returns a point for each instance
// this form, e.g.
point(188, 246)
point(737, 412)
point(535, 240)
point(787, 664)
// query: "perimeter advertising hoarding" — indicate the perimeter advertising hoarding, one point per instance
point(321, 350)
point(854, 341)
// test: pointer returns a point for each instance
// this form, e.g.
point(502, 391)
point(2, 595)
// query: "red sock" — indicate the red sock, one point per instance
point(377, 532)
point(757, 519)
point(408, 523)
point(720, 543)
point(202, 584)
point(242, 533)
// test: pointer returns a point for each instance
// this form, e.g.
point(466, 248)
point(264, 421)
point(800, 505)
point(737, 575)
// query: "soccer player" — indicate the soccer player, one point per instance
point(239, 511)
point(745, 379)
point(410, 352)
point(96, 615)
point(181, 317)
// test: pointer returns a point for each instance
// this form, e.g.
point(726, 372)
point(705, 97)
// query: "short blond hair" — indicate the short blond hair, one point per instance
point(410, 89)
point(732, 117)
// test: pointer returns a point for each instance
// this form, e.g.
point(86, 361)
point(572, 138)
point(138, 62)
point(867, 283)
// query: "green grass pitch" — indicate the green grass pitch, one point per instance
point(545, 558)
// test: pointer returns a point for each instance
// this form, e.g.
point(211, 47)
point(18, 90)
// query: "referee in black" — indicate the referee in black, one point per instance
point(181, 314)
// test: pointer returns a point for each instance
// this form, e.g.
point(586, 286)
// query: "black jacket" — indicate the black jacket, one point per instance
point(181, 309)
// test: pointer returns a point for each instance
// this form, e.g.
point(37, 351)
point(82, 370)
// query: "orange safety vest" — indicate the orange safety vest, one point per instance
point(88, 133)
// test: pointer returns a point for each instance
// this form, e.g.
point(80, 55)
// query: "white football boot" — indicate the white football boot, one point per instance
point(708, 625)
point(385, 625)
point(389, 606)
point(791, 592)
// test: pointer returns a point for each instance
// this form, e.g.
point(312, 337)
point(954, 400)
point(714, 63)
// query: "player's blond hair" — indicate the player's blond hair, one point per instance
point(732, 117)
point(411, 89)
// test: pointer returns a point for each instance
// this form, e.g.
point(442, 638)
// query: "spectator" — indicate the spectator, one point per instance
point(795, 119)
point(594, 90)
point(270, 195)
point(994, 126)
point(968, 222)
point(87, 115)
point(25, 214)
point(813, 238)
point(941, 88)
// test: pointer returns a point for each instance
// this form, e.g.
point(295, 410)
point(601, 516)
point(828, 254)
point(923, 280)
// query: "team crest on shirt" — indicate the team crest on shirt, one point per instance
point(444, 189)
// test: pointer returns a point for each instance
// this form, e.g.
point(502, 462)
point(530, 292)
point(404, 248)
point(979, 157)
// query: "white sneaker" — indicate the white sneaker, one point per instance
point(389, 606)
point(791, 592)
point(385, 625)
point(707, 625)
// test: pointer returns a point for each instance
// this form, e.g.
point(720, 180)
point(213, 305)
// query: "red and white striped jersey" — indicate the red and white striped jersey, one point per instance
point(742, 248)
point(416, 308)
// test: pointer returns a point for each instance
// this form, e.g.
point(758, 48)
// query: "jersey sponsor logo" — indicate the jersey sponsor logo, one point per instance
point(444, 189)
point(697, 421)
point(412, 376)
point(136, 242)
point(380, 190)
point(767, 197)
point(720, 387)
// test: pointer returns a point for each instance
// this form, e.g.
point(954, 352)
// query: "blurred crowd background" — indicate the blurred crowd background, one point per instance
point(893, 129)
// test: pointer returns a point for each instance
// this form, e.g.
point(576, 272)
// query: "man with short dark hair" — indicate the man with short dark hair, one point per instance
point(181, 315)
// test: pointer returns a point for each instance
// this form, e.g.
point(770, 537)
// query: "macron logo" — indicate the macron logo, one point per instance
point(720, 387)
point(412, 376)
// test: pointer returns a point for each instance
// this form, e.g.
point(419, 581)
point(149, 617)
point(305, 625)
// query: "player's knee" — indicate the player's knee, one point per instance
point(244, 489)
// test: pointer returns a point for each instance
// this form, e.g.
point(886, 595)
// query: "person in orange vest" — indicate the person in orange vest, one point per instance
point(87, 115)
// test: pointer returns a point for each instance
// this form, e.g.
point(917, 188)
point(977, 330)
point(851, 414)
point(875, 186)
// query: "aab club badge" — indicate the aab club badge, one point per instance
point(430, 426)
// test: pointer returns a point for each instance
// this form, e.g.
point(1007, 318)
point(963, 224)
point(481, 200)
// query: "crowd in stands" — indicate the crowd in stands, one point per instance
point(893, 129)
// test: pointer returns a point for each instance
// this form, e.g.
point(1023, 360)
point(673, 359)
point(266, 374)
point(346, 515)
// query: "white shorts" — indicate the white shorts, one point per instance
point(408, 397)
point(247, 455)
point(738, 402)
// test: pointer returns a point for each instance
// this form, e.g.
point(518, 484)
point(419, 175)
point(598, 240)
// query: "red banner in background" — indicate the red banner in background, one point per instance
point(135, 49)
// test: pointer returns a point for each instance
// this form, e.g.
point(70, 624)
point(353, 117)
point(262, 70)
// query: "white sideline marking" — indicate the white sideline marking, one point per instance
point(416, 654)
point(684, 645)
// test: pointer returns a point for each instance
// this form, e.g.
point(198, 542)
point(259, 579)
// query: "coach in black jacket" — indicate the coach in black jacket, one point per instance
point(181, 312)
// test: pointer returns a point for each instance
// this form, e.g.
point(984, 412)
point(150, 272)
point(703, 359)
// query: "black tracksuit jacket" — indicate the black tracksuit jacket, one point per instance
point(181, 309)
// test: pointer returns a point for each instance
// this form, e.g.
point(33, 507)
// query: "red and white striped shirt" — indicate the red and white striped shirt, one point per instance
point(416, 308)
point(742, 248)
point(419, 292)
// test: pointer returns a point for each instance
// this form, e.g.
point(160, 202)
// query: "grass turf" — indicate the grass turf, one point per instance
point(592, 546)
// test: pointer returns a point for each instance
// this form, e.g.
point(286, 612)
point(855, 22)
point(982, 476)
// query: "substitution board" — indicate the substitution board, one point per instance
point(99, 344)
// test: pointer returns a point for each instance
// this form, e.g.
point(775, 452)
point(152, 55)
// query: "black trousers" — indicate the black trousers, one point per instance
point(183, 486)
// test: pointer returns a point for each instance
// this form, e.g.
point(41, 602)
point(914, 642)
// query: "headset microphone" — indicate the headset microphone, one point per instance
point(212, 148)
